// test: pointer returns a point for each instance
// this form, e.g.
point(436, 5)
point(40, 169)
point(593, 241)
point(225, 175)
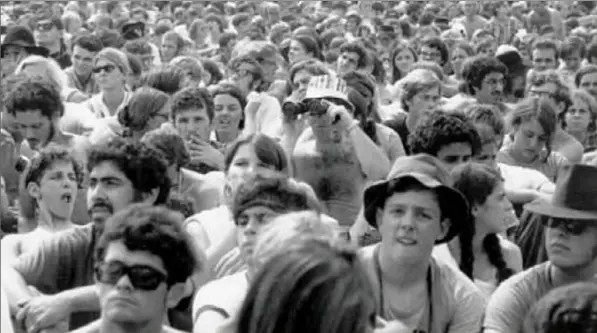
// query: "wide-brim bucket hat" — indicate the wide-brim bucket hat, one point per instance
point(429, 172)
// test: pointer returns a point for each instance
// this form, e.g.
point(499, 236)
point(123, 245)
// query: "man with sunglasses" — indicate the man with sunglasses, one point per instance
point(120, 173)
point(143, 260)
point(570, 222)
point(48, 33)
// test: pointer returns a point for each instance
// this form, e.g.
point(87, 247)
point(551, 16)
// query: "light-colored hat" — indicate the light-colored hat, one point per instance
point(329, 87)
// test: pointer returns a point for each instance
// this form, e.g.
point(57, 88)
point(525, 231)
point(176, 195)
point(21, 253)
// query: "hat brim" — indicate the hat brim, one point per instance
point(547, 209)
point(36, 50)
point(452, 200)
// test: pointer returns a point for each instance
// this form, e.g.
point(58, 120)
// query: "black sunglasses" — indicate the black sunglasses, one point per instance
point(106, 68)
point(142, 277)
point(572, 227)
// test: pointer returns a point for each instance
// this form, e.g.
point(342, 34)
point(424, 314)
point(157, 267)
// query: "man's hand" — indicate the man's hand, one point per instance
point(341, 117)
point(44, 312)
point(204, 152)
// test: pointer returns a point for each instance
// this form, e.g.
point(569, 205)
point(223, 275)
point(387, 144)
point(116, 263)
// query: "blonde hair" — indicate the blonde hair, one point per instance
point(291, 227)
point(53, 70)
point(416, 81)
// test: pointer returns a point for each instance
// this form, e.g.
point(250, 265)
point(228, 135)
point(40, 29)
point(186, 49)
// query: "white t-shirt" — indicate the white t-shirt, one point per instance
point(224, 296)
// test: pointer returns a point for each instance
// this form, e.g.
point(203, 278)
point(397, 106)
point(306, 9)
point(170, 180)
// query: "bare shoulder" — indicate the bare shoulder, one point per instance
point(512, 254)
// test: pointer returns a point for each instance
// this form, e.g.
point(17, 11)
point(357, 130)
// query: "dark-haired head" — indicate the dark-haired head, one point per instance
point(448, 136)
point(567, 309)
point(157, 231)
point(166, 79)
point(143, 166)
point(146, 110)
point(311, 287)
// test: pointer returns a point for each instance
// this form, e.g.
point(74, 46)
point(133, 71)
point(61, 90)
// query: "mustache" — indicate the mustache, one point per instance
point(101, 204)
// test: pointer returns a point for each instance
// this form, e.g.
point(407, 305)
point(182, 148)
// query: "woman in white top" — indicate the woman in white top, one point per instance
point(483, 255)
point(110, 71)
point(213, 230)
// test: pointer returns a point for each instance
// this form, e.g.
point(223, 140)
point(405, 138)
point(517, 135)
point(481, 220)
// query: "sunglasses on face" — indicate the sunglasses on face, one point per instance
point(142, 277)
point(107, 68)
point(47, 26)
point(572, 227)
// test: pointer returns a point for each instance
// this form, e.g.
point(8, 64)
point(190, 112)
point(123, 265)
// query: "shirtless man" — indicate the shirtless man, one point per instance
point(333, 154)
point(52, 180)
point(36, 108)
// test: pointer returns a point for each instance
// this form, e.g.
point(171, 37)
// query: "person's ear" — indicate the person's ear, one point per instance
point(151, 196)
point(475, 211)
point(444, 227)
point(33, 190)
point(177, 292)
point(378, 217)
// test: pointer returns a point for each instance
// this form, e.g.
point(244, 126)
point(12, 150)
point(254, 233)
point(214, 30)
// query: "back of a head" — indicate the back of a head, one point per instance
point(568, 309)
point(313, 287)
point(292, 227)
point(275, 191)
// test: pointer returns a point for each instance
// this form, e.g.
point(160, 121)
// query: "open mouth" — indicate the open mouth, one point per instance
point(66, 197)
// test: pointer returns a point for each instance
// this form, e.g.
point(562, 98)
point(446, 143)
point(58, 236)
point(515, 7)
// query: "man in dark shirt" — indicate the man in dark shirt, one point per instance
point(120, 173)
point(48, 33)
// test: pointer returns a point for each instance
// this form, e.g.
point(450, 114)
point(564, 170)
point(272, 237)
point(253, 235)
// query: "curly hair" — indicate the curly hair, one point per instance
point(156, 230)
point(142, 165)
point(168, 79)
point(476, 182)
point(440, 129)
point(34, 93)
point(569, 308)
point(170, 144)
point(477, 69)
point(47, 157)
point(359, 49)
point(190, 99)
point(489, 115)
point(438, 44)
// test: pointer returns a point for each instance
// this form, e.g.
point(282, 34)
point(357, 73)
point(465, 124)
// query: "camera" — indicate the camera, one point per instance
point(311, 106)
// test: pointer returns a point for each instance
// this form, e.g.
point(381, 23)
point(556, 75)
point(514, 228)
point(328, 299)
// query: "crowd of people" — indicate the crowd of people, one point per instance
point(310, 166)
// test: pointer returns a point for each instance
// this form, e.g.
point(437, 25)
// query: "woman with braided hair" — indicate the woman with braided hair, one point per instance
point(479, 251)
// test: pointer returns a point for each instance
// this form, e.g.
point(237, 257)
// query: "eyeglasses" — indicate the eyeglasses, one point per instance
point(47, 26)
point(107, 68)
point(142, 277)
point(572, 227)
point(241, 73)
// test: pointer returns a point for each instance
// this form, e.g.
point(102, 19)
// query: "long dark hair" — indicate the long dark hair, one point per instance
point(477, 181)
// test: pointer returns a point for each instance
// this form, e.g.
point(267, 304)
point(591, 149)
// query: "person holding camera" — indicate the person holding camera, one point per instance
point(333, 154)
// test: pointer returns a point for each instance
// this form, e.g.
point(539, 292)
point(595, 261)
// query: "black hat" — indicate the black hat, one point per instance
point(133, 30)
point(575, 195)
point(21, 36)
